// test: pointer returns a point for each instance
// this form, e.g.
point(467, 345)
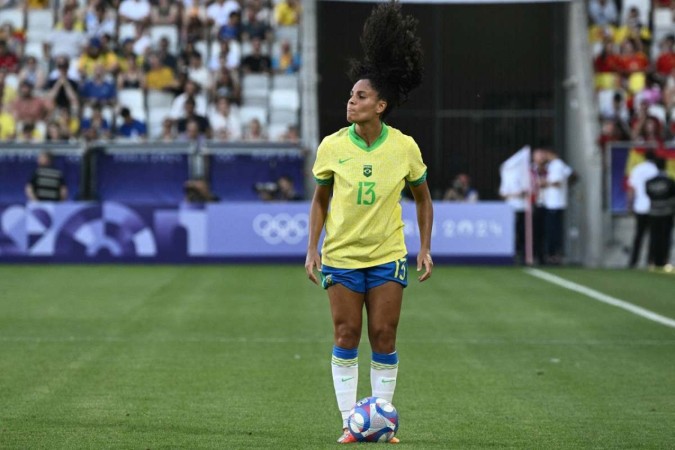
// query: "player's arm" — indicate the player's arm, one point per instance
point(317, 218)
point(425, 219)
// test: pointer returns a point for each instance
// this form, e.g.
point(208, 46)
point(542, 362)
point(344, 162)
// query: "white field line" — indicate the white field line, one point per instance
point(599, 296)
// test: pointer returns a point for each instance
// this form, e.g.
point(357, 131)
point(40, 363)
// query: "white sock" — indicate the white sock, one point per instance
point(383, 372)
point(345, 367)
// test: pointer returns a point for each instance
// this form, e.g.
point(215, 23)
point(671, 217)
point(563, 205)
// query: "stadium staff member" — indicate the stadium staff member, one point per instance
point(661, 192)
point(47, 183)
point(365, 167)
point(638, 203)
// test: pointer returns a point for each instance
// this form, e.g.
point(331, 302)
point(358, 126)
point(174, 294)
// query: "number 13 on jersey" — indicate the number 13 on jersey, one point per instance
point(366, 193)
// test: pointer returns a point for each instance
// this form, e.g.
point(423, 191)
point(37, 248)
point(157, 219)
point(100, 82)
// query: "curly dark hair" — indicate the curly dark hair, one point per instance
point(392, 59)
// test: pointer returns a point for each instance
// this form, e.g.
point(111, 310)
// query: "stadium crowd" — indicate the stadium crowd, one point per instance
point(159, 70)
point(634, 62)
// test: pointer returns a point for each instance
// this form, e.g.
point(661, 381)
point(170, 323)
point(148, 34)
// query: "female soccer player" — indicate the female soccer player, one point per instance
point(365, 167)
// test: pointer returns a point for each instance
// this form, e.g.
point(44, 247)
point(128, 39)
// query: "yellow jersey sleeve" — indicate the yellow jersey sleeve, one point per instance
point(417, 170)
point(323, 173)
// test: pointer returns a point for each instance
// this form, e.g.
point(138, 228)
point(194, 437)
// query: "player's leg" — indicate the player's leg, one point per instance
point(346, 309)
point(383, 304)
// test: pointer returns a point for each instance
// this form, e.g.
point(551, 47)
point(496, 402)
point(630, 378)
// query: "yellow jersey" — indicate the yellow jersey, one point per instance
point(364, 227)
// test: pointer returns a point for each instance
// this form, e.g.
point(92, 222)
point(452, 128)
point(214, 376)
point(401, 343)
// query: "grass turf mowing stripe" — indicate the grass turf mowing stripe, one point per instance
point(604, 298)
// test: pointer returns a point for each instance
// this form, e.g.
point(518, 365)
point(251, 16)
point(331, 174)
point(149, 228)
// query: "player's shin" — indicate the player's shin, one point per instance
point(383, 372)
point(345, 367)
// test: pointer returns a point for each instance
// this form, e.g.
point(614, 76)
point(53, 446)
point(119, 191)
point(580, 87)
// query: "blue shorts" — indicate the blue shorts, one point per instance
point(361, 280)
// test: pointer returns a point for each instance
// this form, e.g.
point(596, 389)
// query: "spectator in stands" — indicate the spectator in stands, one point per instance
point(255, 28)
point(98, 22)
point(131, 128)
point(645, 127)
point(226, 86)
point(168, 133)
point(165, 12)
point(190, 115)
point(286, 61)
point(192, 133)
point(166, 57)
point(231, 30)
point(226, 57)
point(29, 134)
point(287, 13)
point(54, 132)
point(632, 58)
point(634, 29)
point(638, 203)
point(33, 73)
point(7, 126)
point(96, 127)
point(255, 132)
point(136, 11)
point(9, 62)
point(37, 4)
point(159, 76)
point(98, 89)
point(7, 92)
point(27, 107)
point(461, 190)
point(292, 134)
point(130, 75)
point(65, 40)
point(256, 62)
point(261, 9)
point(194, 23)
point(225, 121)
point(603, 12)
point(15, 38)
point(192, 90)
point(47, 182)
point(73, 7)
point(93, 56)
point(608, 60)
point(665, 63)
point(218, 13)
point(197, 72)
point(69, 123)
point(661, 192)
point(62, 89)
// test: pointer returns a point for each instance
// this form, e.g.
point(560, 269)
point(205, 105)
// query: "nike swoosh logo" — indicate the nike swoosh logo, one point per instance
point(388, 381)
point(347, 379)
point(342, 161)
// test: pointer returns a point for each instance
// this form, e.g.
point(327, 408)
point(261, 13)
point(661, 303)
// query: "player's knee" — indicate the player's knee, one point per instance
point(347, 336)
point(383, 339)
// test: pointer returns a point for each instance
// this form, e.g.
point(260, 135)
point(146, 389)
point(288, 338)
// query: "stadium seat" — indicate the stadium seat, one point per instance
point(276, 131)
point(156, 118)
point(291, 34)
point(12, 80)
point(283, 117)
point(606, 102)
point(285, 81)
point(247, 113)
point(255, 81)
point(203, 50)
point(663, 18)
point(285, 99)
point(133, 99)
point(159, 99)
point(14, 16)
point(39, 25)
point(658, 111)
point(157, 32)
point(33, 48)
point(127, 31)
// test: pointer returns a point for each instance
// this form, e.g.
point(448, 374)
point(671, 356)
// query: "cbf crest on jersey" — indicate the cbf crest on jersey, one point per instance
point(367, 170)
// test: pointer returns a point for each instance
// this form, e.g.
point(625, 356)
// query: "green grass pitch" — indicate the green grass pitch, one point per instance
point(238, 357)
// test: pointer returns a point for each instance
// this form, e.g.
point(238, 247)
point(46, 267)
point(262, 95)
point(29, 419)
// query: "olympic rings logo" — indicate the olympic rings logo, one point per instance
point(281, 228)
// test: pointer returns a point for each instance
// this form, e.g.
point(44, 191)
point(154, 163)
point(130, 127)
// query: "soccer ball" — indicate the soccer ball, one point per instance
point(373, 419)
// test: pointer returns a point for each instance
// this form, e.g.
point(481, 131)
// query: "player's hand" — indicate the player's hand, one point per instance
point(424, 261)
point(313, 261)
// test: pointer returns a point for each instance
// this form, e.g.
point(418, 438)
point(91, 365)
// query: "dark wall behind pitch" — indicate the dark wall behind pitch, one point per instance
point(488, 87)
